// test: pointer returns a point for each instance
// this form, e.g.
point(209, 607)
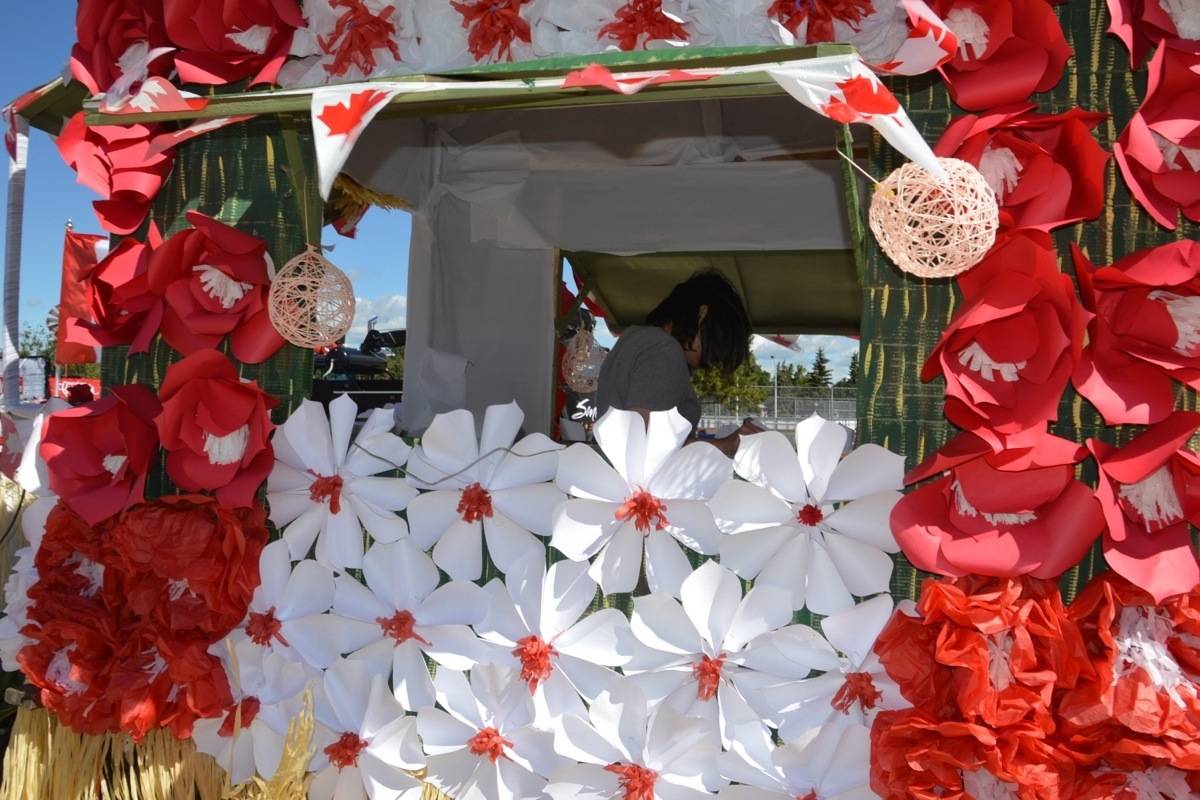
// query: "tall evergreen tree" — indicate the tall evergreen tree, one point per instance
point(851, 378)
point(819, 374)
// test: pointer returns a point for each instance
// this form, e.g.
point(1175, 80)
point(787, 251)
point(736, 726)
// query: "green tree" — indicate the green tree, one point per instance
point(819, 374)
point(395, 365)
point(792, 375)
point(39, 342)
point(744, 389)
point(851, 378)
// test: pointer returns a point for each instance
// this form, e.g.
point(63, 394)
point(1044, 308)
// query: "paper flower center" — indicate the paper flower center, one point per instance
point(400, 627)
point(264, 627)
point(635, 781)
point(1185, 313)
point(999, 647)
point(254, 39)
point(983, 785)
point(707, 672)
point(810, 515)
point(1001, 169)
point(58, 672)
point(113, 462)
point(1186, 16)
point(820, 15)
point(967, 510)
point(90, 571)
point(494, 26)
point(536, 656)
point(220, 287)
point(249, 707)
point(647, 512)
point(976, 359)
point(1177, 156)
point(639, 17)
point(346, 750)
point(1154, 499)
point(971, 30)
point(488, 742)
point(229, 449)
point(327, 487)
point(357, 36)
point(857, 688)
point(1142, 638)
point(475, 503)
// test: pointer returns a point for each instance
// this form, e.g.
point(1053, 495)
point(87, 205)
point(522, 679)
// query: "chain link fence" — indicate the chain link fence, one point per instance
point(787, 405)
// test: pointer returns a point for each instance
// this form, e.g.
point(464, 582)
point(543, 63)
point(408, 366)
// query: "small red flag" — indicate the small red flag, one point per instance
point(81, 253)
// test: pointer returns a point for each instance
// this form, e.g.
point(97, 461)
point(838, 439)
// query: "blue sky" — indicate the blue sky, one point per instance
point(36, 46)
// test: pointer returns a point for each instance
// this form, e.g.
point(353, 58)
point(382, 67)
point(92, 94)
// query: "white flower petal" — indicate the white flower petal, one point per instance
point(457, 647)
point(411, 685)
point(400, 574)
point(342, 413)
point(535, 748)
point(531, 507)
point(618, 564)
point(583, 527)
point(868, 520)
point(340, 544)
point(382, 711)
point(303, 531)
point(710, 598)
point(622, 437)
point(805, 705)
point(692, 523)
point(567, 592)
point(583, 782)
point(532, 460)
point(588, 679)
point(386, 494)
point(347, 687)
point(749, 552)
point(430, 515)
point(309, 590)
point(460, 774)
point(274, 569)
point(383, 781)
point(268, 749)
point(459, 552)
point(376, 449)
point(508, 543)
point(768, 460)
point(354, 600)
point(453, 603)
point(666, 565)
point(621, 715)
point(455, 695)
point(555, 698)
point(789, 567)
point(803, 646)
point(503, 621)
point(869, 469)
point(449, 445)
point(384, 526)
point(659, 621)
point(825, 590)
point(819, 447)
point(763, 609)
point(865, 569)
point(440, 732)
point(602, 637)
point(501, 425)
point(324, 784)
point(583, 473)
point(693, 473)
point(739, 506)
point(671, 736)
point(854, 631)
point(665, 434)
point(307, 432)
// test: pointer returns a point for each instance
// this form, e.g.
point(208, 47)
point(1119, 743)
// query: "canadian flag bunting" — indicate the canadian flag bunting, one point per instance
point(339, 116)
point(155, 95)
point(930, 43)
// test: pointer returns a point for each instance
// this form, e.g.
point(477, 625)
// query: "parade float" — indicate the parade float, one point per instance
point(226, 589)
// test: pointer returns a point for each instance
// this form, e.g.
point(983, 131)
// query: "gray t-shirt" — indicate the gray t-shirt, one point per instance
point(646, 369)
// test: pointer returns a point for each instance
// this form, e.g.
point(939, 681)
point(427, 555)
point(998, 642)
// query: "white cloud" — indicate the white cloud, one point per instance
point(392, 311)
point(838, 350)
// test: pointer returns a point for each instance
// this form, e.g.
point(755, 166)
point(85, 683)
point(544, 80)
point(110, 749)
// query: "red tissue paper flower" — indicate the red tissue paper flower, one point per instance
point(1047, 170)
point(1142, 24)
point(115, 161)
point(493, 25)
point(820, 16)
point(97, 455)
point(1011, 348)
point(213, 281)
point(1145, 332)
point(215, 428)
point(229, 40)
point(115, 36)
point(643, 18)
point(1159, 150)
point(1016, 512)
point(1150, 493)
point(1007, 50)
point(123, 309)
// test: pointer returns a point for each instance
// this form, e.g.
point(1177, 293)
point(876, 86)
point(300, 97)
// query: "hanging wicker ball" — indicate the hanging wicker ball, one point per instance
point(581, 363)
point(311, 301)
point(932, 228)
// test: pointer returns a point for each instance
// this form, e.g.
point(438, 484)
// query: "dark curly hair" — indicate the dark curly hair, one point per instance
point(724, 333)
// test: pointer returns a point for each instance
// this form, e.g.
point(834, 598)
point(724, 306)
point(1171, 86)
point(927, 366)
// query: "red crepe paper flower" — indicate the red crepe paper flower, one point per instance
point(113, 33)
point(213, 282)
point(1007, 50)
point(1142, 24)
point(215, 428)
point(1145, 332)
point(1047, 170)
point(1150, 492)
point(643, 18)
point(1159, 151)
point(820, 16)
point(115, 162)
point(358, 34)
point(494, 26)
point(223, 42)
point(97, 455)
point(1017, 512)
point(123, 309)
point(1009, 351)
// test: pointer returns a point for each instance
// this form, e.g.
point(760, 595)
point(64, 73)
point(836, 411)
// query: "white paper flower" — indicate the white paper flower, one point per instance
point(650, 501)
point(483, 745)
point(23, 576)
point(266, 689)
point(32, 473)
point(717, 646)
point(375, 749)
point(535, 616)
point(573, 28)
point(810, 521)
point(485, 488)
point(855, 690)
point(629, 752)
point(832, 762)
point(324, 489)
point(408, 616)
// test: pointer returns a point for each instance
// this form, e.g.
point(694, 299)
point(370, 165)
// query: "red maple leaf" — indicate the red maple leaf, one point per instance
point(838, 111)
point(344, 118)
point(868, 97)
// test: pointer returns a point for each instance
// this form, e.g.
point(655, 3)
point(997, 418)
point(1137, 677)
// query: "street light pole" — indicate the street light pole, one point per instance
point(776, 394)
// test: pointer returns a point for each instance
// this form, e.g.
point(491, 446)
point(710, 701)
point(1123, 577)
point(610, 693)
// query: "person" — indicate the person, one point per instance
point(702, 323)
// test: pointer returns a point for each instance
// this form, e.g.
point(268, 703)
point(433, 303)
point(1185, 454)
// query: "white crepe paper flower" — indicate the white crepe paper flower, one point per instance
point(718, 646)
point(404, 615)
point(481, 743)
point(32, 473)
point(855, 690)
point(832, 762)
point(23, 576)
point(535, 616)
point(627, 751)
point(809, 520)
point(374, 751)
point(486, 488)
point(249, 738)
point(651, 500)
point(325, 489)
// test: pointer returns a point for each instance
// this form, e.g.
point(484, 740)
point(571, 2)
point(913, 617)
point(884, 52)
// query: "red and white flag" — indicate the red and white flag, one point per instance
point(339, 116)
point(930, 43)
point(81, 253)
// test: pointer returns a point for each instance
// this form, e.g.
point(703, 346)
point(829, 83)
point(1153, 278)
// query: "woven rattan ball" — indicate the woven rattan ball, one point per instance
point(311, 302)
point(581, 363)
point(932, 228)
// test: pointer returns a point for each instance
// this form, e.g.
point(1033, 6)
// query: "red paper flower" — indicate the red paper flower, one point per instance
point(1145, 332)
point(820, 16)
point(1007, 50)
point(223, 42)
point(1150, 492)
point(359, 32)
point(213, 281)
point(1047, 170)
point(98, 454)
point(1009, 351)
point(1017, 512)
point(1143, 24)
point(494, 26)
point(215, 428)
point(113, 33)
point(123, 309)
point(114, 162)
point(643, 18)
point(1159, 151)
